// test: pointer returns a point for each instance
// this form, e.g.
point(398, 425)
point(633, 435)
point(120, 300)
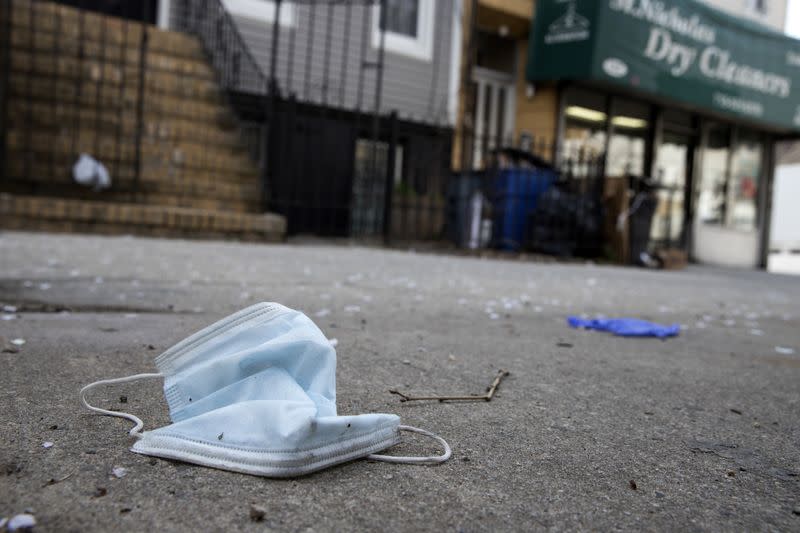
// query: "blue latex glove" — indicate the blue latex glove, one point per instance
point(626, 327)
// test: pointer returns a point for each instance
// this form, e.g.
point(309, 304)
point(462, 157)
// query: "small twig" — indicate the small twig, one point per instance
point(470, 398)
point(53, 481)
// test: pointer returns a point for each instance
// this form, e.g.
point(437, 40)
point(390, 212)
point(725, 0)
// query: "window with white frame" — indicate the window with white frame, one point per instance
point(262, 10)
point(409, 27)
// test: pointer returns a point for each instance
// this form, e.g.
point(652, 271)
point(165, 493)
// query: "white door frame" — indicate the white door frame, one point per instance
point(499, 83)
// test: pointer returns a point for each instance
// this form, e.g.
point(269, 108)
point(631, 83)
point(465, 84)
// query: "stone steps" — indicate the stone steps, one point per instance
point(195, 155)
point(48, 117)
point(71, 215)
point(75, 87)
point(95, 29)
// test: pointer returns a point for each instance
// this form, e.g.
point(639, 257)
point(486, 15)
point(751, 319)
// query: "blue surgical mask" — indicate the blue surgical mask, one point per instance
point(256, 393)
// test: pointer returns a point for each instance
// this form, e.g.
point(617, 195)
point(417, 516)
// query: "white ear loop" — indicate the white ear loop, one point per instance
point(417, 460)
point(137, 429)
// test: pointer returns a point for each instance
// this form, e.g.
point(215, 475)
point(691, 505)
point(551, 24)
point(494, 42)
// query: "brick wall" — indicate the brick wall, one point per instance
point(74, 87)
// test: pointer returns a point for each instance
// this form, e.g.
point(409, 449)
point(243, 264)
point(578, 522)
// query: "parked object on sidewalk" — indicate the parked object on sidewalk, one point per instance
point(567, 223)
point(90, 172)
point(515, 187)
point(645, 248)
point(467, 207)
point(468, 398)
point(672, 258)
point(640, 220)
point(626, 327)
point(516, 194)
point(270, 364)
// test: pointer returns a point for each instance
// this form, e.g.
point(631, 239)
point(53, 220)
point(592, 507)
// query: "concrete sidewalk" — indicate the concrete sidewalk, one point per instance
point(706, 426)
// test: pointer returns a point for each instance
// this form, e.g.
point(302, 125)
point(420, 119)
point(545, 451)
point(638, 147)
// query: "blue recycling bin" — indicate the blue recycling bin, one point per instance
point(516, 191)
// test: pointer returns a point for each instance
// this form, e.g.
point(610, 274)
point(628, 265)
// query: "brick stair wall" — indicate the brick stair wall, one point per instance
point(66, 215)
point(62, 102)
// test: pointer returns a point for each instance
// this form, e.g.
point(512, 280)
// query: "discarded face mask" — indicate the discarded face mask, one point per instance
point(256, 393)
point(625, 327)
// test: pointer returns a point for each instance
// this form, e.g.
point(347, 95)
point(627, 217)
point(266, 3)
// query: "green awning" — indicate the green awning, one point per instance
point(681, 50)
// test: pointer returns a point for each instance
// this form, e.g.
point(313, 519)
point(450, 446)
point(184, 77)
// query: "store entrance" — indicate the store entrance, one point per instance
point(672, 172)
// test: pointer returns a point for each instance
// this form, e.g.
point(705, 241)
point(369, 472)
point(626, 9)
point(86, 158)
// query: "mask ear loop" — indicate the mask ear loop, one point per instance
point(433, 459)
point(137, 429)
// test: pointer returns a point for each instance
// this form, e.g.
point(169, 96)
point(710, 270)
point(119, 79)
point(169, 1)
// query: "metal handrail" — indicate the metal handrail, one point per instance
point(213, 24)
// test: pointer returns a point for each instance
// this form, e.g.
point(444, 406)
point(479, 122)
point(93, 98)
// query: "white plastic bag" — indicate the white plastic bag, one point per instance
point(90, 172)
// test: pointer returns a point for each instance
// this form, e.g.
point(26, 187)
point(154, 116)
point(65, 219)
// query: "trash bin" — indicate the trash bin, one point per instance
point(515, 192)
point(518, 180)
point(465, 205)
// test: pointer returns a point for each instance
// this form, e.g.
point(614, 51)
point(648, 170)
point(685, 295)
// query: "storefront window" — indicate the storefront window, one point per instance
point(746, 163)
point(626, 147)
point(713, 176)
point(584, 124)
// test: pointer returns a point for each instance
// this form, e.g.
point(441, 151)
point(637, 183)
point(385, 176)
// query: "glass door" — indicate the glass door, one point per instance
point(672, 170)
point(725, 219)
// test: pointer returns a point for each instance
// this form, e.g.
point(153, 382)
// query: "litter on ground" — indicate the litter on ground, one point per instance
point(21, 522)
point(626, 327)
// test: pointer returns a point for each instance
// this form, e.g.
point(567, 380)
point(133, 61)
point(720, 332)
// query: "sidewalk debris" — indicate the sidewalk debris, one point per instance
point(780, 349)
point(257, 513)
point(6, 346)
point(53, 481)
point(625, 327)
point(47, 444)
point(21, 522)
point(91, 172)
point(119, 472)
point(468, 398)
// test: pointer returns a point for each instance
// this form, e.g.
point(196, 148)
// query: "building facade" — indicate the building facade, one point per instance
point(688, 95)
point(321, 44)
point(368, 87)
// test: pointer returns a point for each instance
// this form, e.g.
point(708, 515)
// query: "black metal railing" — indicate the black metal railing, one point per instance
point(267, 101)
point(233, 60)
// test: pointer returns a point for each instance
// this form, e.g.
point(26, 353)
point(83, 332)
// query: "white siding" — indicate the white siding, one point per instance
point(418, 90)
